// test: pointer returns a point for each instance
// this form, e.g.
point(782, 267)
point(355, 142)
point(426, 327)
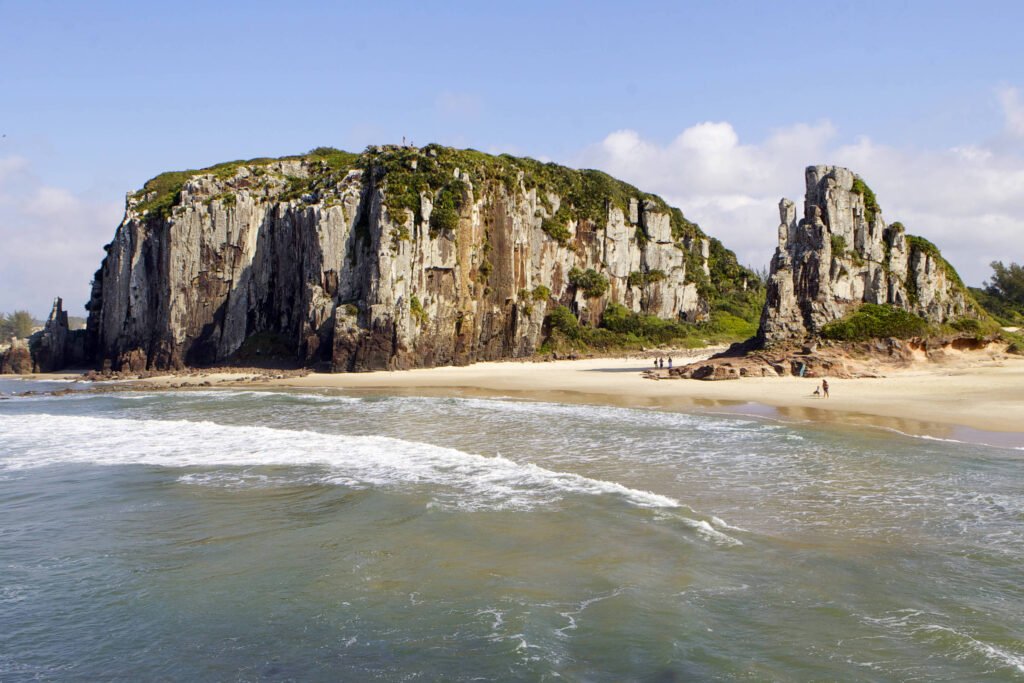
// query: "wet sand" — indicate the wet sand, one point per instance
point(976, 399)
point(951, 400)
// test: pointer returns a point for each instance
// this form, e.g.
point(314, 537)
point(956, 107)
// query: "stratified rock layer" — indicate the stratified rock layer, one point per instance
point(348, 268)
point(842, 254)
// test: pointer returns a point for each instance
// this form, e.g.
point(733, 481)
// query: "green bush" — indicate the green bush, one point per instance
point(838, 245)
point(641, 279)
point(416, 308)
point(1006, 312)
point(870, 201)
point(556, 228)
point(874, 321)
point(541, 293)
point(1016, 341)
point(562, 320)
point(645, 329)
point(448, 207)
point(589, 281)
point(745, 304)
point(621, 328)
point(724, 326)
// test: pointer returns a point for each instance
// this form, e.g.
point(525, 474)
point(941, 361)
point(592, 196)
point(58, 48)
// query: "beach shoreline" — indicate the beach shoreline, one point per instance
point(975, 398)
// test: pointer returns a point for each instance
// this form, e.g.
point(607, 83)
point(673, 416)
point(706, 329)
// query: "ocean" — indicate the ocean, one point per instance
point(275, 536)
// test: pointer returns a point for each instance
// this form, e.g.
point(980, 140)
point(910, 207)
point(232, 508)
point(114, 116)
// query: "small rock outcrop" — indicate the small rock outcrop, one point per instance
point(396, 258)
point(15, 359)
point(842, 254)
point(57, 346)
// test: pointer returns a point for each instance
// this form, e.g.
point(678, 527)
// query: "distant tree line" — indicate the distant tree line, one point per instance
point(18, 324)
point(1007, 282)
point(1003, 293)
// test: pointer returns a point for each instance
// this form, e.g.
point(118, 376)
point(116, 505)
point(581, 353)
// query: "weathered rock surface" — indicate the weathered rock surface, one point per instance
point(841, 254)
point(835, 360)
point(16, 358)
point(57, 346)
point(397, 258)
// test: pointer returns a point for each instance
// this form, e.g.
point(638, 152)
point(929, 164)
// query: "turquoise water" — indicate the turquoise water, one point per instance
point(244, 535)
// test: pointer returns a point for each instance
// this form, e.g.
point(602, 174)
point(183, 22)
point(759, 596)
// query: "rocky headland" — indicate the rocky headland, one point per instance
point(842, 254)
point(404, 257)
point(846, 292)
point(396, 258)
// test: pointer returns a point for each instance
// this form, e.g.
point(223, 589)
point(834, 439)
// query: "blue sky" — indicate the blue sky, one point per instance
point(716, 105)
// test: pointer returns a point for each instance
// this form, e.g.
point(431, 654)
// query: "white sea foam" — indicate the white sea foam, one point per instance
point(959, 442)
point(920, 624)
point(970, 645)
point(722, 524)
point(471, 481)
point(225, 394)
point(710, 533)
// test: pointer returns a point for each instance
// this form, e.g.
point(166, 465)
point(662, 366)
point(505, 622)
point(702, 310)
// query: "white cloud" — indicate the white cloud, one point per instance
point(1013, 110)
point(968, 199)
point(52, 241)
point(732, 189)
point(12, 165)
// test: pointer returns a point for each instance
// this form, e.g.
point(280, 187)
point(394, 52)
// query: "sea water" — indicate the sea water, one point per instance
point(257, 535)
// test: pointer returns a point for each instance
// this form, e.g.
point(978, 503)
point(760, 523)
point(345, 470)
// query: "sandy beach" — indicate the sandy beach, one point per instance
point(951, 399)
point(972, 398)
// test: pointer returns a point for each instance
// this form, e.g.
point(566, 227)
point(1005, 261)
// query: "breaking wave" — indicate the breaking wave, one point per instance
point(465, 480)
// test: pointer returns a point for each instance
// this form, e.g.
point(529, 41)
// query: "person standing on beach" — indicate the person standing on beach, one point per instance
point(670, 362)
point(824, 387)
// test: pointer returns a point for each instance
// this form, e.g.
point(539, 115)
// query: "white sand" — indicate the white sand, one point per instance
point(980, 394)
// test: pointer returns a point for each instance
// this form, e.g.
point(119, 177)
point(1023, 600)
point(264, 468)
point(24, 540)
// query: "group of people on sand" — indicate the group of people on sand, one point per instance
point(659, 363)
point(822, 389)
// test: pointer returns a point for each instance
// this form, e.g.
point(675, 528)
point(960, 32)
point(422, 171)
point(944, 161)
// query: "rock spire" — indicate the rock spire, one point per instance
point(841, 254)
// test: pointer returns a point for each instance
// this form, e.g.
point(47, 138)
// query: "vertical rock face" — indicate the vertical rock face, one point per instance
point(841, 254)
point(48, 347)
point(57, 346)
point(397, 258)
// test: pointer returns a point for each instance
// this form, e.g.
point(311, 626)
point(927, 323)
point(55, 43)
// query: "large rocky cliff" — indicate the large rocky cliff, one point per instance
point(396, 258)
point(841, 254)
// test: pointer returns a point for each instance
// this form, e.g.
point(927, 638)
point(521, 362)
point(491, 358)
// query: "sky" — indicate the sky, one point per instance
point(716, 106)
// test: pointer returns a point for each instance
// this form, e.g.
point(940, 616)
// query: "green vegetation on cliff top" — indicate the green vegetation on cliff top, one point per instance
point(166, 187)
point(410, 171)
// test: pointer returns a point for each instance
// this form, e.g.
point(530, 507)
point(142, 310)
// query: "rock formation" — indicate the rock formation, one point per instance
point(15, 358)
point(841, 254)
point(838, 257)
point(57, 346)
point(396, 258)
